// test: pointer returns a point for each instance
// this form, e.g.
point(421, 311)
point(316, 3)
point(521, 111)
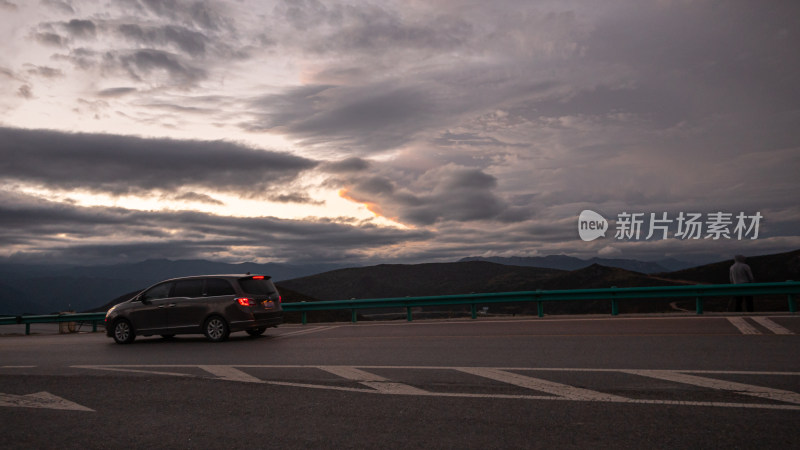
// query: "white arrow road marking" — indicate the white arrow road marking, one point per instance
point(40, 400)
point(771, 326)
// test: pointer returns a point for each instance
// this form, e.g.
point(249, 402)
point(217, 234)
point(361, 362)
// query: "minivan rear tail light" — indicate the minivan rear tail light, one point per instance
point(258, 277)
point(244, 301)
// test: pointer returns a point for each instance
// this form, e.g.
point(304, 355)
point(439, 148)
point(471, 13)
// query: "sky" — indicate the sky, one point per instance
point(389, 131)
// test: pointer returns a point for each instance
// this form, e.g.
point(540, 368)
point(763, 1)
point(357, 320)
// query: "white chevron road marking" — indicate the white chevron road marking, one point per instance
point(548, 390)
point(43, 400)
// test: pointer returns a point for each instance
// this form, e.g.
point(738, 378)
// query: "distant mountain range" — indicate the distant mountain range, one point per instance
point(29, 289)
point(477, 276)
point(564, 262)
point(44, 289)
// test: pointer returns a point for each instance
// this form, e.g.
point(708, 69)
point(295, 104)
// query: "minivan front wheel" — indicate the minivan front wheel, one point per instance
point(216, 329)
point(123, 332)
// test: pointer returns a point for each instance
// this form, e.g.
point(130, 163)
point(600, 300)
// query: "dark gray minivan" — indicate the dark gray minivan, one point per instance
point(214, 305)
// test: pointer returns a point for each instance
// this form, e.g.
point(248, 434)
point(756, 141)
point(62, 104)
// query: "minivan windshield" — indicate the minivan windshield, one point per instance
point(257, 286)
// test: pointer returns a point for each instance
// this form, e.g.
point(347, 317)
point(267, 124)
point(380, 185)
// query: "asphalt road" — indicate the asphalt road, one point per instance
point(588, 382)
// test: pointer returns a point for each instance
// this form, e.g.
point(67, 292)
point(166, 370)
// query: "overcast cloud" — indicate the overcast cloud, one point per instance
point(361, 132)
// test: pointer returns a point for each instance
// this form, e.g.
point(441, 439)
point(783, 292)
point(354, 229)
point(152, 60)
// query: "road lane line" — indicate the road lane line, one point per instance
point(538, 384)
point(739, 388)
point(149, 372)
point(307, 331)
point(771, 326)
point(743, 326)
point(376, 382)
point(230, 373)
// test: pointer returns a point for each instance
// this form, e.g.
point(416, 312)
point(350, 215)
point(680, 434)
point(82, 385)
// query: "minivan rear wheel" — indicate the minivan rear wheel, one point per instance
point(256, 331)
point(123, 332)
point(216, 329)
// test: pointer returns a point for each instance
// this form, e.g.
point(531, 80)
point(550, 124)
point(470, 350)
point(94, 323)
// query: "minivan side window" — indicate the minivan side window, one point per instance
point(158, 291)
point(188, 288)
point(216, 286)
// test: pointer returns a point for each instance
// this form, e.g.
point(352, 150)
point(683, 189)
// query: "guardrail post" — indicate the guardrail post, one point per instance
point(540, 308)
point(474, 310)
point(792, 305)
point(353, 316)
point(698, 302)
point(303, 318)
point(27, 329)
point(614, 305)
point(94, 326)
point(408, 313)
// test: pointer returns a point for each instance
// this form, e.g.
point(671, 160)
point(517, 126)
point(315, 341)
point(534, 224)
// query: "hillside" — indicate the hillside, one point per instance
point(563, 262)
point(396, 280)
point(41, 290)
point(477, 277)
point(481, 276)
point(766, 268)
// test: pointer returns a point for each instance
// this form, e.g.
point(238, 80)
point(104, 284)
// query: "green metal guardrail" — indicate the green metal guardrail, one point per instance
point(92, 318)
point(613, 294)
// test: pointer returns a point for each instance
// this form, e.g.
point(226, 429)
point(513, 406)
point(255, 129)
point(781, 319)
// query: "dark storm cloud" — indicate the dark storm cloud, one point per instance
point(195, 197)
point(119, 165)
point(377, 118)
point(296, 198)
point(44, 71)
point(370, 28)
point(146, 63)
point(116, 92)
point(189, 41)
point(51, 39)
point(449, 193)
point(348, 165)
point(81, 28)
point(59, 6)
point(203, 14)
point(66, 232)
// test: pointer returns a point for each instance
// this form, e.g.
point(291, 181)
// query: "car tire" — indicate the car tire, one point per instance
point(216, 329)
point(255, 332)
point(123, 332)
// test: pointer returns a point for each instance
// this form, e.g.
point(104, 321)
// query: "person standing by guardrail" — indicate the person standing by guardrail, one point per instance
point(740, 273)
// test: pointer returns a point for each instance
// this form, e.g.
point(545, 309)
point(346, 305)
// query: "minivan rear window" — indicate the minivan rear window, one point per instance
point(257, 286)
point(216, 286)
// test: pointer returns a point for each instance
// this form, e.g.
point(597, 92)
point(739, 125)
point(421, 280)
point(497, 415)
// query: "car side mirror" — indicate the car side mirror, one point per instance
point(145, 300)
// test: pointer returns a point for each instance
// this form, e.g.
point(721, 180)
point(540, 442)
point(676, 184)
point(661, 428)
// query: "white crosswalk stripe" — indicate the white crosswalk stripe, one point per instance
point(771, 326)
point(741, 324)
